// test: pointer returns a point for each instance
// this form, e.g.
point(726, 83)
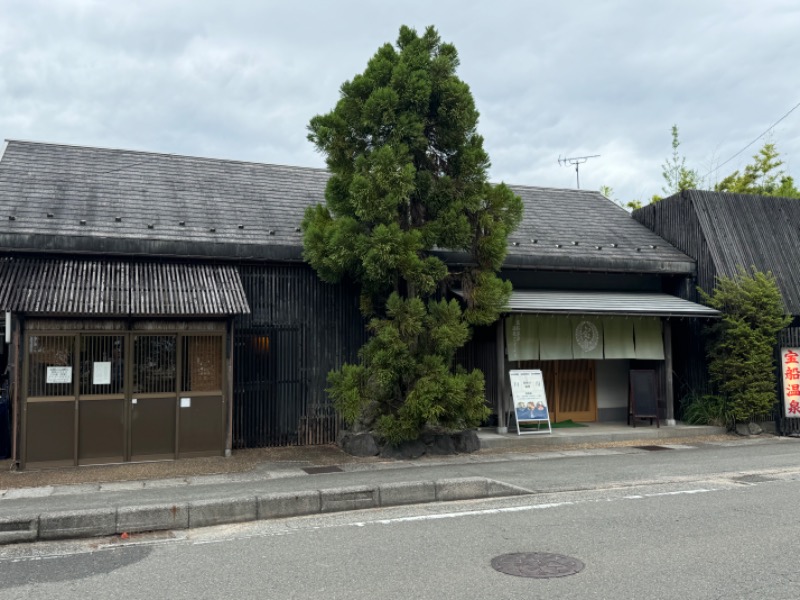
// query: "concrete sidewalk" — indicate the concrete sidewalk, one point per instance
point(278, 489)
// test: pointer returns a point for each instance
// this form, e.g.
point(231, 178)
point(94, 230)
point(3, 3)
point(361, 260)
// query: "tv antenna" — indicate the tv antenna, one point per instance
point(577, 161)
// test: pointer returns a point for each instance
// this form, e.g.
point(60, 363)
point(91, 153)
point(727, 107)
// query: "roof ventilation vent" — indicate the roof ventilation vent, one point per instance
point(12, 218)
point(150, 225)
point(534, 241)
point(598, 247)
point(83, 221)
point(613, 245)
point(182, 223)
point(213, 230)
point(49, 215)
point(118, 219)
point(575, 243)
point(653, 247)
point(297, 230)
point(241, 226)
point(515, 243)
point(638, 249)
point(558, 245)
point(271, 232)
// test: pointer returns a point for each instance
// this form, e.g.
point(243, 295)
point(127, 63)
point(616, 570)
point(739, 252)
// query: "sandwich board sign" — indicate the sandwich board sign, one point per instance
point(530, 401)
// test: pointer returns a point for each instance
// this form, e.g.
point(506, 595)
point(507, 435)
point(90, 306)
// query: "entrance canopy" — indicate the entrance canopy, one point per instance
point(605, 303)
point(119, 288)
point(571, 325)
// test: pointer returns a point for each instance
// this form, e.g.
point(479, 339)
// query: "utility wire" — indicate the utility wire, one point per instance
point(765, 132)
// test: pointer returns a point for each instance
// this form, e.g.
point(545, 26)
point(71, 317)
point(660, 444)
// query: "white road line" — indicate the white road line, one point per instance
point(511, 509)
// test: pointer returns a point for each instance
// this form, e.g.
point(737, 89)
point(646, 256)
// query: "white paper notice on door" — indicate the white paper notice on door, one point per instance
point(59, 375)
point(101, 374)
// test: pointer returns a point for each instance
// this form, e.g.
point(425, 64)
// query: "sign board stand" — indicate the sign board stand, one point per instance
point(530, 401)
point(643, 397)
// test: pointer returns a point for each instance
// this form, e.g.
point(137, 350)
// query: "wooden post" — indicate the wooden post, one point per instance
point(502, 425)
point(15, 379)
point(229, 389)
point(669, 417)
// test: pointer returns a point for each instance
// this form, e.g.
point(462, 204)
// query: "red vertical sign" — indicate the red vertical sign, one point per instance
point(790, 373)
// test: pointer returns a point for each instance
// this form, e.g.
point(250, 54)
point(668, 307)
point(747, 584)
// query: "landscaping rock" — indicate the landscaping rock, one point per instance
point(441, 444)
point(749, 429)
point(404, 450)
point(467, 441)
point(360, 444)
point(412, 449)
point(391, 451)
point(755, 429)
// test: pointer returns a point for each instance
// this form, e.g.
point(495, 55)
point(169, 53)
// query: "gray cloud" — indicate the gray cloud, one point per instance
point(241, 79)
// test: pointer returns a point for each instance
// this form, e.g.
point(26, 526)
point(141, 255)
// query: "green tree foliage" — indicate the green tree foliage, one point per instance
point(608, 192)
point(763, 177)
point(677, 176)
point(409, 178)
point(741, 344)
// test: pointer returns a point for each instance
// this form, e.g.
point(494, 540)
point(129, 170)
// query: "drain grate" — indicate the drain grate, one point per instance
point(538, 565)
point(652, 448)
point(318, 470)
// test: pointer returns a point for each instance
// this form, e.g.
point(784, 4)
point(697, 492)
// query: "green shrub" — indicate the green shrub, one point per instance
point(706, 409)
point(741, 344)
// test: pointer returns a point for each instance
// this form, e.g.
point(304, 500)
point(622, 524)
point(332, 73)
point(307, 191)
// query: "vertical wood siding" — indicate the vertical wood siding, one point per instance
point(298, 330)
point(723, 232)
point(481, 353)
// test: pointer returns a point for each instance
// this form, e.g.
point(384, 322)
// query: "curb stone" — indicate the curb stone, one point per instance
point(204, 513)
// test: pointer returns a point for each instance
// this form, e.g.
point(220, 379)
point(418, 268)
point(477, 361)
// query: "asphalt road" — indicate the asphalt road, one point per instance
point(715, 522)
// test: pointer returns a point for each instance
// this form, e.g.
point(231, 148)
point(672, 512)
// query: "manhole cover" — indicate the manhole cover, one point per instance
point(539, 565)
point(317, 470)
point(652, 448)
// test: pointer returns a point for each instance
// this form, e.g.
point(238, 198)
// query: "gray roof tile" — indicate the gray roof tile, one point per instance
point(127, 202)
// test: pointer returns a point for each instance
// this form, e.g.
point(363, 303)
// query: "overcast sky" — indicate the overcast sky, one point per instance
point(240, 79)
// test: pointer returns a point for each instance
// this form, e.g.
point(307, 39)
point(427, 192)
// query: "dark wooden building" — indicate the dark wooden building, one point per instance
point(159, 305)
point(596, 295)
point(724, 232)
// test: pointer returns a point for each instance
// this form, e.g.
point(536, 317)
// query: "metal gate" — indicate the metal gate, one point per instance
point(106, 397)
point(268, 396)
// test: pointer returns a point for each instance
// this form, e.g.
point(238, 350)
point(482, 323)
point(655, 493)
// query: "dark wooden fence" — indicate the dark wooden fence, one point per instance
point(298, 330)
point(481, 353)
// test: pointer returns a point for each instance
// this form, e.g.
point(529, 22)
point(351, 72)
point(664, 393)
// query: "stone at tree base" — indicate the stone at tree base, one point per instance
point(391, 451)
point(467, 441)
point(360, 444)
point(404, 450)
point(441, 444)
point(412, 449)
point(749, 429)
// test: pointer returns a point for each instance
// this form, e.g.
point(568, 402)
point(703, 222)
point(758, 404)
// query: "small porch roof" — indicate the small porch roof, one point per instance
point(106, 287)
point(605, 303)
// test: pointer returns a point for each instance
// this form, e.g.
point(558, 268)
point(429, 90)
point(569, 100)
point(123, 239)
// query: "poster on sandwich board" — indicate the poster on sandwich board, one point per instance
point(530, 401)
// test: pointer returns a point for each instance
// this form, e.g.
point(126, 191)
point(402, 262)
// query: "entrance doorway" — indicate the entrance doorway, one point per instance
point(570, 388)
point(106, 397)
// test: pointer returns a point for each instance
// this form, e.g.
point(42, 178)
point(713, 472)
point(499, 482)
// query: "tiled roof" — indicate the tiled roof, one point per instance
point(74, 199)
point(565, 228)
